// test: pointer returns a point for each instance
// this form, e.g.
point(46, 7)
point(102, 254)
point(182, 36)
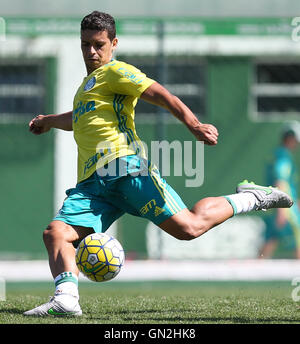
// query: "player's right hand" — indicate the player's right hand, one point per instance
point(39, 125)
point(206, 133)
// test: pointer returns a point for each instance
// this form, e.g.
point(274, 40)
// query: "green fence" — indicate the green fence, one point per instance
point(26, 184)
point(242, 152)
point(27, 162)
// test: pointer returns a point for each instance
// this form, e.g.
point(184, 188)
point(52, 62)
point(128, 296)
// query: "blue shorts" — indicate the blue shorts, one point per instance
point(100, 200)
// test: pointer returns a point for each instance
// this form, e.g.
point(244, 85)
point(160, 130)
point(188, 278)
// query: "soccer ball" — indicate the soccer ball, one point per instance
point(100, 257)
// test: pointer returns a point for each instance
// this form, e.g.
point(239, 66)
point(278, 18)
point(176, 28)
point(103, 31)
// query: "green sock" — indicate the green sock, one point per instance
point(66, 283)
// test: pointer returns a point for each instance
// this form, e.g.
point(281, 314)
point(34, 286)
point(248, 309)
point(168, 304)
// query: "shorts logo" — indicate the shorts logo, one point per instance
point(90, 84)
point(151, 204)
point(145, 209)
point(158, 211)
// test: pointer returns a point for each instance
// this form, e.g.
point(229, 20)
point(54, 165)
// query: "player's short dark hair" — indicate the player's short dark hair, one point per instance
point(100, 21)
point(288, 133)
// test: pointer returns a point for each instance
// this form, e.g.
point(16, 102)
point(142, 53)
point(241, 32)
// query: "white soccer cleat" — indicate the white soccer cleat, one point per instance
point(57, 307)
point(267, 196)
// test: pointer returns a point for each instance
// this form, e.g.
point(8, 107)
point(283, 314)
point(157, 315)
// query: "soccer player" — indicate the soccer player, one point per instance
point(284, 224)
point(103, 124)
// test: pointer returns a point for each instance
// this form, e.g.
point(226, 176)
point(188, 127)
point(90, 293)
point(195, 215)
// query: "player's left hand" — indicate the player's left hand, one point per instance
point(206, 133)
point(39, 125)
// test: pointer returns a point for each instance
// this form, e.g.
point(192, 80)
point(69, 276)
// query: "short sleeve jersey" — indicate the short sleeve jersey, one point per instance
point(103, 116)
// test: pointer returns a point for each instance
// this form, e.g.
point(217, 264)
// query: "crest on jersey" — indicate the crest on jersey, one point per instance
point(90, 84)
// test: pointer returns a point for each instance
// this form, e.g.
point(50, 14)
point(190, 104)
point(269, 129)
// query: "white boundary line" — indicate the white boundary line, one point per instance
point(152, 270)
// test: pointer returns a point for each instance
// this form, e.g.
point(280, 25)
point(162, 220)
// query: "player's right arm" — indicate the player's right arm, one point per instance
point(43, 123)
point(158, 95)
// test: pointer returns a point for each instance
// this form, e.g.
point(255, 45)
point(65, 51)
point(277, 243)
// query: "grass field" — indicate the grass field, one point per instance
point(161, 303)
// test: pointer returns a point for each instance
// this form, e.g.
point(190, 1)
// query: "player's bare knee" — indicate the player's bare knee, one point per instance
point(195, 227)
point(188, 233)
point(48, 235)
point(53, 233)
point(186, 236)
point(185, 227)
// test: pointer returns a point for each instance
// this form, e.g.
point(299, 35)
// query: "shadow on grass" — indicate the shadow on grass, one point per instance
point(160, 316)
point(12, 311)
point(164, 316)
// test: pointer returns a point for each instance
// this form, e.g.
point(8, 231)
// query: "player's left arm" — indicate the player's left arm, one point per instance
point(282, 174)
point(158, 95)
point(43, 123)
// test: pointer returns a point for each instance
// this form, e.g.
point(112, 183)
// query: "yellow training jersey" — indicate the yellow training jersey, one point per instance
point(103, 115)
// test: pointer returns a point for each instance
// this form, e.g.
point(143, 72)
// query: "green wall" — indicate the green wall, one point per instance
point(244, 146)
point(26, 184)
point(27, 181)
point(27, 163)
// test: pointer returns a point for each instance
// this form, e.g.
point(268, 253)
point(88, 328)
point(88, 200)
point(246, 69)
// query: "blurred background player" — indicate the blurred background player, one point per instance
point(283, 225)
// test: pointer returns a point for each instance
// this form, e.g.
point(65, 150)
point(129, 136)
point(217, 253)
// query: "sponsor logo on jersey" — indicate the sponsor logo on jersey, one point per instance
point(90, 84)
point(82, 108)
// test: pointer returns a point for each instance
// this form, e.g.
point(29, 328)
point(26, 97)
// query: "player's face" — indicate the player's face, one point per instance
point(291, 143)
point(294, 143)
point(97, 48)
